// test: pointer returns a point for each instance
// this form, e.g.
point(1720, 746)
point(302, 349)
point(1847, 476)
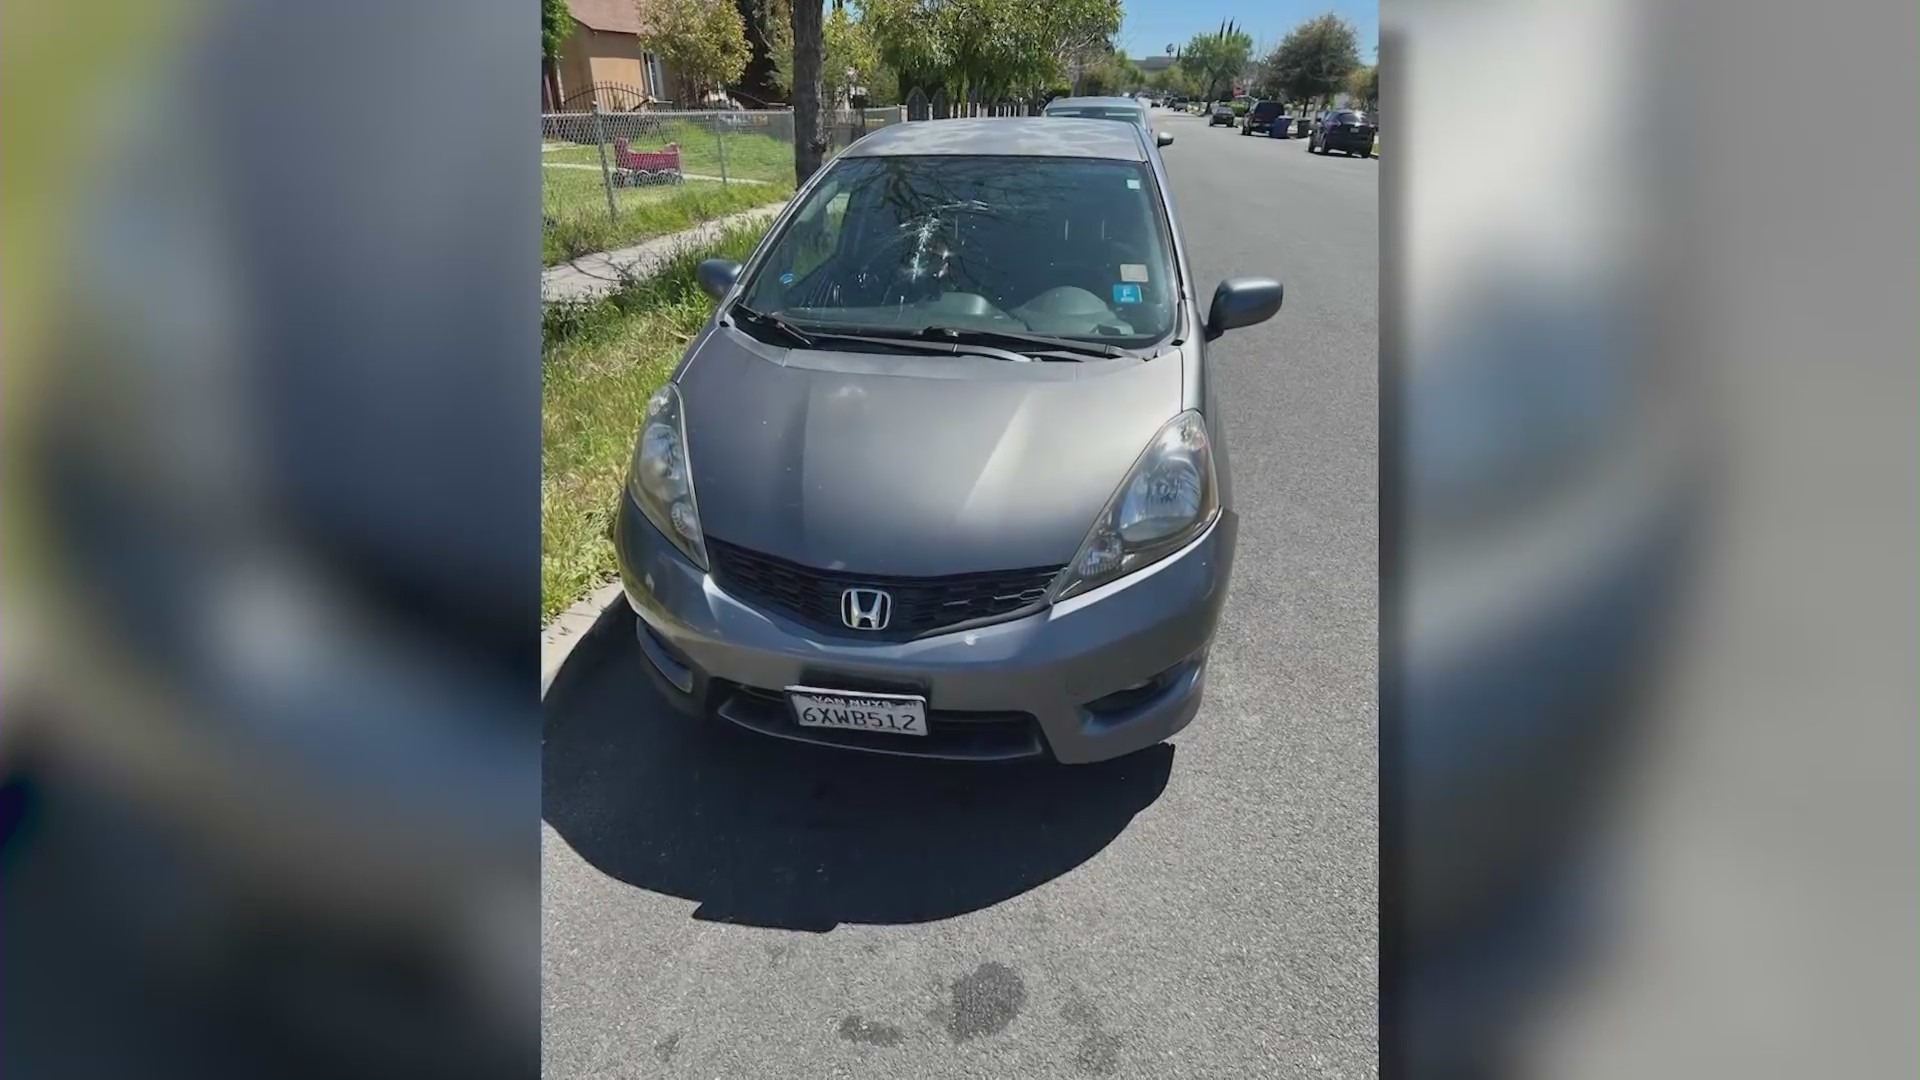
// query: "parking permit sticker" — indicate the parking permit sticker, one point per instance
point(786, 278)
point(1133, 183)
point(1133, 271)
point(1126, 294)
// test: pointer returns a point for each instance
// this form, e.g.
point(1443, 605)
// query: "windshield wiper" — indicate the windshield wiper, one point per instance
point(817, 339)
point(794, 336)
point(968, 335)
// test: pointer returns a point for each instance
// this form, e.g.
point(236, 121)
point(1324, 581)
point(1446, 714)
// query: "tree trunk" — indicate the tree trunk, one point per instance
point(550, 81)
point(809, 127)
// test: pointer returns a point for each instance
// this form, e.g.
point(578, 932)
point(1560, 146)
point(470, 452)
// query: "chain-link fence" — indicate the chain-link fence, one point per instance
point(609, 174)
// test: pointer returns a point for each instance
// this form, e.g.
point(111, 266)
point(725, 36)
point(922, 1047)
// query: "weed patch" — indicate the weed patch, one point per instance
point(600, 361)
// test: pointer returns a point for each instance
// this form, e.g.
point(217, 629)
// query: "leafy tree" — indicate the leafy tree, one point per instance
point(1079, 33)
point(556, 26)
point(848, 59)
point(883, 86)
point(1173, 81)
point(1363, 85)
point(1313, 61)
point(704, 42)
point(1111, 73)
point(998, 48)
point(1215, 60)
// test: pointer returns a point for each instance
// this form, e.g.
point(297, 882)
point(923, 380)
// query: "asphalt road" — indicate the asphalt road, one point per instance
point(721, 906)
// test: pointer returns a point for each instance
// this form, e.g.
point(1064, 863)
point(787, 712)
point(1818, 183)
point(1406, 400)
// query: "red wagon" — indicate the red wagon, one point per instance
point(633, 168)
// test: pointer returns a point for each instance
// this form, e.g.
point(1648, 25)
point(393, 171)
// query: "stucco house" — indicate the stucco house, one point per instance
point(603, 61)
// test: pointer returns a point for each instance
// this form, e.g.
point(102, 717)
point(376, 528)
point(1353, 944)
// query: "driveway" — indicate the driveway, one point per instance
point(721, 906)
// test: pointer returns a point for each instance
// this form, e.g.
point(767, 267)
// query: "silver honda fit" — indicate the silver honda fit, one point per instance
point(943, 475)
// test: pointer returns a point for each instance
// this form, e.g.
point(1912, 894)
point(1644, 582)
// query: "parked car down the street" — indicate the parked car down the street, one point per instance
point(1222, 114)
point(1267, 118)
point(1346, 130)
point(942, 475)
point(1130, 110)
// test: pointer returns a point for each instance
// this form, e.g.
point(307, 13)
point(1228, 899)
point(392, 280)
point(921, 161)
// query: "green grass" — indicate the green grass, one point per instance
point(575, 220)
point(600, 360)
point(749, 155)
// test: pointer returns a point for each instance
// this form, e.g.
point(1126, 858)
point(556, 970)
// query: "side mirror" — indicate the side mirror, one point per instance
point(716, 276)
point(1163, 138)
point(1243, 301)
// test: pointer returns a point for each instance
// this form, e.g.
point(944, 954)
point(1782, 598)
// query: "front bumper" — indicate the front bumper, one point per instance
point(1063, 683)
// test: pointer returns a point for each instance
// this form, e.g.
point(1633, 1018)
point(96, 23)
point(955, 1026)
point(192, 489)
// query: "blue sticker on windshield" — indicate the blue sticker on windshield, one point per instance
point(1126, 294)
point(786, 278)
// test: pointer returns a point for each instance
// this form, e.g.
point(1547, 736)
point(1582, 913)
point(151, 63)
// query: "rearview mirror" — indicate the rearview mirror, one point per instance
point(1242, 301)
point(716, 276)
point(1162, 138)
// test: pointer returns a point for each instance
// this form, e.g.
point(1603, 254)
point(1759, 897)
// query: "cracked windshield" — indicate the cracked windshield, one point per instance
point(1062, 246)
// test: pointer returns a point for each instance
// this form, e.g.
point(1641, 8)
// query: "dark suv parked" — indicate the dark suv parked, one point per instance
point(1266, 118)
point(1345, 130)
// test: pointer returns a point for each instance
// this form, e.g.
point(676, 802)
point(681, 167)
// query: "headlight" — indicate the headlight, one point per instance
point(1167, 499)
point(658, 477)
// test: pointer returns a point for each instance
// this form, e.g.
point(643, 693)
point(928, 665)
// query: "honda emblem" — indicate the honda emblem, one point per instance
point(865, 609)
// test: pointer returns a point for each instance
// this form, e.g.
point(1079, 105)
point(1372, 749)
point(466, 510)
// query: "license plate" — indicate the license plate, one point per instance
point(889, 714)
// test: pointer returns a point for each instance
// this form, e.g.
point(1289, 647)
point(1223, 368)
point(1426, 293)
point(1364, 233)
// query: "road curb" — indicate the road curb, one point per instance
point(592, 618)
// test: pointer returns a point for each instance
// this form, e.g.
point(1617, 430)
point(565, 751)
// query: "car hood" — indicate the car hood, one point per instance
point(912, 464)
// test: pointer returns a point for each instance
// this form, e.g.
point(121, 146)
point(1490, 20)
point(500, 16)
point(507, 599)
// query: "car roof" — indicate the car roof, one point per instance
point(1015, 136)
point(1094, 101)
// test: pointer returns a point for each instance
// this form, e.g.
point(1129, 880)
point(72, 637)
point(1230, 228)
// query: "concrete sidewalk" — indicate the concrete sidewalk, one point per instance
point(595, 275)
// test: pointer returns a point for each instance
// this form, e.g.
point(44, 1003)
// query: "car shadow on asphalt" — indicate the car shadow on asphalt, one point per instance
point(765, 832)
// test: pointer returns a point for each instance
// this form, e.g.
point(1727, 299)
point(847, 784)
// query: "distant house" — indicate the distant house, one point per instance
point(1151, 64)
point(603, 62)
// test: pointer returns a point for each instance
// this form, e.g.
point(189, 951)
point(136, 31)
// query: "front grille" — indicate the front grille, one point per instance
point(921, 605)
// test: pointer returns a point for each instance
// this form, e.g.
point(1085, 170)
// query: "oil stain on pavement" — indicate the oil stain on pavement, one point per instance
point(665, 1048)
point(1098, 1050)
point(985, 1002)
point(855, 1029)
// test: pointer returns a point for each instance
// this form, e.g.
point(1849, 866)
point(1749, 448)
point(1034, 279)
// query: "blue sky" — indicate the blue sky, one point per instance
point(1150, 24)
